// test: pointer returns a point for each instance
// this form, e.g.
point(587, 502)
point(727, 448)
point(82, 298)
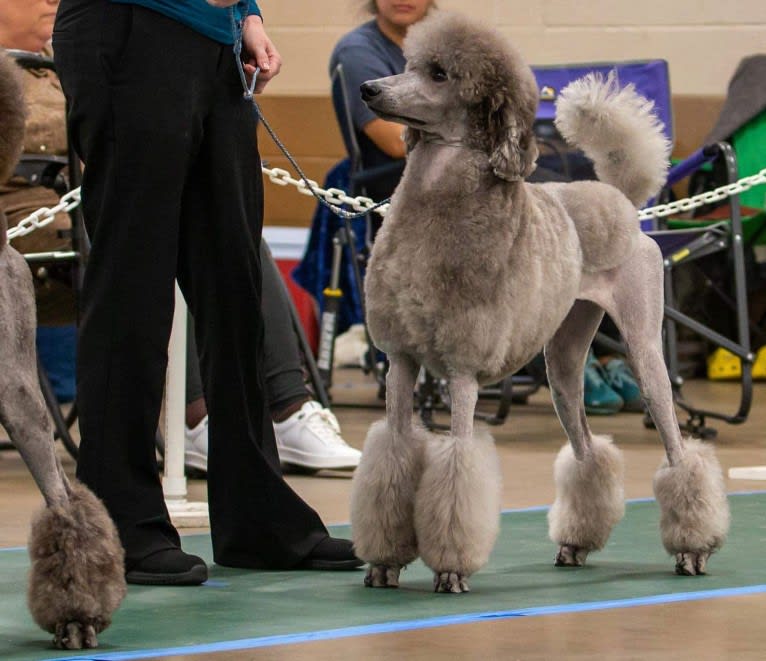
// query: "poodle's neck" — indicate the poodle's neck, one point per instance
point(441, 165)
point(456, 142)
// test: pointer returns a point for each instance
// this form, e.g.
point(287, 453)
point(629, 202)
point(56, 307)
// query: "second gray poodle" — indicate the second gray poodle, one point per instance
point(474, 271)
point(77, 576)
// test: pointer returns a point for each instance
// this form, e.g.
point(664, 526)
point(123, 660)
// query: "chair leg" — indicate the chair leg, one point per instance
point(317, 383)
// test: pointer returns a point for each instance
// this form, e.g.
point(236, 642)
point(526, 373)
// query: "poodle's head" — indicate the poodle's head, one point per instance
point(464, 83)
point(13, 114)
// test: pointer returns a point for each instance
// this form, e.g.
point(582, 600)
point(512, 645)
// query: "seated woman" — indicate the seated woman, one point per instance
point(374, 50)
point(27, 26)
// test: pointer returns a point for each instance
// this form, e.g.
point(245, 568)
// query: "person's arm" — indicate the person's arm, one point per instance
point(359, 65)
point(258, 50)
point(387, 137)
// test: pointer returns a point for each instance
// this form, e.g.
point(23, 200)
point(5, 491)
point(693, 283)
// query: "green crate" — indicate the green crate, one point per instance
point(749, 143)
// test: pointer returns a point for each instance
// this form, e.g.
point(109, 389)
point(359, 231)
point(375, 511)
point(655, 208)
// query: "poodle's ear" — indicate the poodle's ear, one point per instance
point(512, 145)
point(411, 138)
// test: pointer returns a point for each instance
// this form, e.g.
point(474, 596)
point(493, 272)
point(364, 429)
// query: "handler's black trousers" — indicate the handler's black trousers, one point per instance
point(172, 189)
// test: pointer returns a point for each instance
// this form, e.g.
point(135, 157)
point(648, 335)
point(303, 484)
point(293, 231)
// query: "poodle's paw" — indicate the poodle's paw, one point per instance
point(691, 564)
point(571, 556)
point(447, 581)
point(75, 636)
point(382, 576)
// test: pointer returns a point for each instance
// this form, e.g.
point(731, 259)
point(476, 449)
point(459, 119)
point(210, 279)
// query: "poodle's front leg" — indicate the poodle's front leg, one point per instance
point(457, 506)
point(384, 484)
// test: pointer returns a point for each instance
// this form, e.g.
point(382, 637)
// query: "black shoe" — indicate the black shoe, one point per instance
point(168, 567)
point(332, 554)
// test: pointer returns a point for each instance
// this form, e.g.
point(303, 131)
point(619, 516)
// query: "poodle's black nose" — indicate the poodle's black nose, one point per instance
point(369, 90)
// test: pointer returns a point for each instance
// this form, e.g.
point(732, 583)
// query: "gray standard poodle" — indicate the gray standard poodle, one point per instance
point(475, 271)
point(77, 577)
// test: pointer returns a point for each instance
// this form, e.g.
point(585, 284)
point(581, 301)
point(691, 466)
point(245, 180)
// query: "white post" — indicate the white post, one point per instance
point(183, 514)
point(748, 473)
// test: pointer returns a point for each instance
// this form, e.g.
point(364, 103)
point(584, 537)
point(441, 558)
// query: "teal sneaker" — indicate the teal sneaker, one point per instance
point(620, 379)
point(600, 399)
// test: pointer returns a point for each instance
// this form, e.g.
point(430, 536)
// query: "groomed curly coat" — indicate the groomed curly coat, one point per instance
point(475, 271)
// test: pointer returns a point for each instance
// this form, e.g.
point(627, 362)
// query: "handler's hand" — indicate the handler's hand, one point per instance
point(222, 3)
point(257, 50)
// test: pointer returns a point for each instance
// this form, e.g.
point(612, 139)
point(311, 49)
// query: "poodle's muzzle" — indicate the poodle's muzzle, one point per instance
point(387, 97)
point(369, 89)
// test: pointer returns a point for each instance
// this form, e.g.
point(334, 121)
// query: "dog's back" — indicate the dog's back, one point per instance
point(603, 217)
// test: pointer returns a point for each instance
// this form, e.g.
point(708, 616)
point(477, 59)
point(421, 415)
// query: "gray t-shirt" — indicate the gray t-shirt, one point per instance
point(366, 53)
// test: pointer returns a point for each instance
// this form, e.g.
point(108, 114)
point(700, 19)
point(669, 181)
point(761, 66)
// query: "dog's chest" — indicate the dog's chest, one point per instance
point(476, 287)
point(423, 282)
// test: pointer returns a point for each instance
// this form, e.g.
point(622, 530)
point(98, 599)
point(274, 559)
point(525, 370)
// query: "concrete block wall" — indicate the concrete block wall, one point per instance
point(703, 40)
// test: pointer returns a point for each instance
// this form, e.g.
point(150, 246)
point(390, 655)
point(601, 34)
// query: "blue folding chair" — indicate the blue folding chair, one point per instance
point(680, 246)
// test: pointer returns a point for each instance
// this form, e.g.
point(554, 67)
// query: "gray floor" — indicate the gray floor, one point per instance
point(726, 628)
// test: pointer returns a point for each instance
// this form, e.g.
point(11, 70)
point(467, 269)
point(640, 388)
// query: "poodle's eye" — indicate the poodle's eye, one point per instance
point(438, 74)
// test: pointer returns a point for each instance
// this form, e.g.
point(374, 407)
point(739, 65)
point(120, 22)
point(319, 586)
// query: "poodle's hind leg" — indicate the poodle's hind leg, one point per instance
point(384, 483)
point(457, 506)
point(689, 485)
point(588, 471)
point(76, 578)
point(77, 574)
point(23, 413)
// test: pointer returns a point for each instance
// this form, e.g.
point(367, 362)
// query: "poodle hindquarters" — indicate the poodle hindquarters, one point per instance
point(618, 131)
point(77, 570)
point(474, 271)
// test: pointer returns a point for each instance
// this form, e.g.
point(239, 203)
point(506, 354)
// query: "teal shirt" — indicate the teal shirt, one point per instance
point(213, 22)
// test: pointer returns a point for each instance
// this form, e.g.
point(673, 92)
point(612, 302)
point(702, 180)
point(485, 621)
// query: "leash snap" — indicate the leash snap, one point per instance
point(249, 90)
point(236, 31)
point(306, 186)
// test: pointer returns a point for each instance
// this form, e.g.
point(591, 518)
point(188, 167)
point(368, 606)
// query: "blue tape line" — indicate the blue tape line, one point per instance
point(427, 623)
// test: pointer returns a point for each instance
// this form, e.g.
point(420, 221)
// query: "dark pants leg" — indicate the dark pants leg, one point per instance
point(170, 190)
point(284, 369)
point(282, 358)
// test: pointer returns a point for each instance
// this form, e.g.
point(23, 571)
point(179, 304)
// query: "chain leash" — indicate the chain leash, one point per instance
point(45, 215)
point(307, 186)
point(702, 199)
point(333, 197)
point(336, 196)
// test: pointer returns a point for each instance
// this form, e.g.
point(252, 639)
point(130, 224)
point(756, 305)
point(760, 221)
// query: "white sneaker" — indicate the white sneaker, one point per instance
point(195, 446)
point(351, 348)
point(310, 438)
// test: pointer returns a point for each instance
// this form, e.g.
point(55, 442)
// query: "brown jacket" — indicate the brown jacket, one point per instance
point(45, 134)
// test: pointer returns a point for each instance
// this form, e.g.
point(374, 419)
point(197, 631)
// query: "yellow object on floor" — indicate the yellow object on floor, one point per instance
point(723, 365)
point(759, 366)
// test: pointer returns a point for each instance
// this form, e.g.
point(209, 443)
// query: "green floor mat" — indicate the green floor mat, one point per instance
point(236, 604)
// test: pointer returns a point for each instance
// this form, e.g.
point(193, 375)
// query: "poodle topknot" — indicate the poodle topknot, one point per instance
point(494, 81)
